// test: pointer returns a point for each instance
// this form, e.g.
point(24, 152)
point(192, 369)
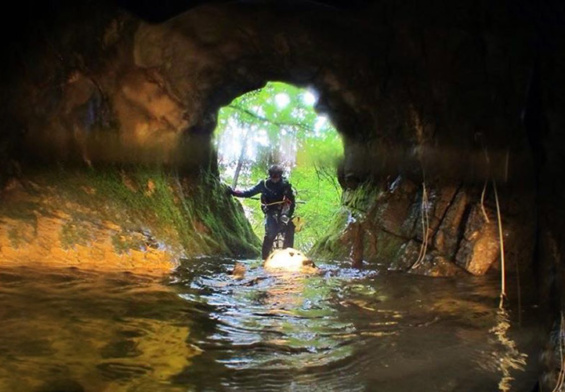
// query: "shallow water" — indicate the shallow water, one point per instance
point(201, 330)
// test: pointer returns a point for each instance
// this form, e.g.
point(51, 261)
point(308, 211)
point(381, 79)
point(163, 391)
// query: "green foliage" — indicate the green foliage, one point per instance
point(329, 245)
point(355, 204)
point(277, 124)
point(269, 125)
point(73, 233)
point(213, 206)
point(318, 189)
point(20, 210)
point(122, 243)
point(146, 202)
point(360, 200)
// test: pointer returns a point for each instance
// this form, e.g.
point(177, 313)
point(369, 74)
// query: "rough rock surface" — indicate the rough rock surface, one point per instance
point(118, 224)
point(438, 117)
point(446, 94)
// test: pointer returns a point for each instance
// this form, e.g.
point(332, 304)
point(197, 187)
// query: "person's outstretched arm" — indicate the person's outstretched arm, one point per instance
point(248, 192)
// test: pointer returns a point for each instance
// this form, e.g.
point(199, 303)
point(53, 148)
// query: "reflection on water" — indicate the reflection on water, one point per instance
point(104, 332)
point(511, 358)
point(202, 330)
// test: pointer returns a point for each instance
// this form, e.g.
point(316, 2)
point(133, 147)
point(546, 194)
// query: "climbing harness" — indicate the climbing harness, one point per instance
point(273, 203)
point(276, 202)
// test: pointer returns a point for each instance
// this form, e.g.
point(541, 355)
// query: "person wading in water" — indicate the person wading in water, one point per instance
point(277, 203)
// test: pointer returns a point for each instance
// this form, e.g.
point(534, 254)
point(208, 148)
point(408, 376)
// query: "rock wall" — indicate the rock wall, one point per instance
point(431, 229)
point(446, 95)
point(430, 93)
point(144, 221)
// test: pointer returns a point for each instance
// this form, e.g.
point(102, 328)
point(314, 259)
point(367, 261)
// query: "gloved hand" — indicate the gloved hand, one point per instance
point(230, 191)
point(284, 219)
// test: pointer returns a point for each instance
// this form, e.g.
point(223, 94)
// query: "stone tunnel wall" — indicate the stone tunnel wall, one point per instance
point(415, 91)
point(434, 96)
point(421, 91)
point(431, 92)
point(431, 229)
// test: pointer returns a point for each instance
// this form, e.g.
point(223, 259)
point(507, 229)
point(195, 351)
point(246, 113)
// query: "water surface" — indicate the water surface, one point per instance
point(200, 329)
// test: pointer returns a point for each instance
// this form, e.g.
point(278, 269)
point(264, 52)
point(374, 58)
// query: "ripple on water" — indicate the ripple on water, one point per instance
point(349, 328)
point(339, 330)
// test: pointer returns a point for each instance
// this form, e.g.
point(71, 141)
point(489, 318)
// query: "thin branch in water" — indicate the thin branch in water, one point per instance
point(500, 233)
point(501, 238)
point(483, 202)
point(425, 227)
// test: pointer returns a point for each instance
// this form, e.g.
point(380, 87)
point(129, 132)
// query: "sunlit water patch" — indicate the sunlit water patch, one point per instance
point(201, 329)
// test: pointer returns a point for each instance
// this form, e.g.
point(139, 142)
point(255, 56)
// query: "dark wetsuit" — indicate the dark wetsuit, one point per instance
point(272, 196)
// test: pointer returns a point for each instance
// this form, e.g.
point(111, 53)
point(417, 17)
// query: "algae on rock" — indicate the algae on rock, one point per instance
point(144, 218)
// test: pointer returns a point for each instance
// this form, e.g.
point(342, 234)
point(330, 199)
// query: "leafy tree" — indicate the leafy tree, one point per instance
point(277, 124)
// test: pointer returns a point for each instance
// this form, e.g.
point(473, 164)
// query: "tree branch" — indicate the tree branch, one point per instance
point(265, 119)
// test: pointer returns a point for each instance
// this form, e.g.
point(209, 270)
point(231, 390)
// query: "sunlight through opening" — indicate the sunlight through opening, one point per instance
point(278, 124)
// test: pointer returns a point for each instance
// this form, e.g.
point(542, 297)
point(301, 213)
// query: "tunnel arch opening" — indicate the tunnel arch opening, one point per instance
point(452, 76)
point(278, 124)
point(197, 62)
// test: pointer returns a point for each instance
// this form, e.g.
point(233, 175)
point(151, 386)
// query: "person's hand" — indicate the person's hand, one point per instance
point(229, 191)
point(284, 219)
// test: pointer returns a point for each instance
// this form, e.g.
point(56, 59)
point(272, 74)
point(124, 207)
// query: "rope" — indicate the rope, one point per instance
point(501, 238)
point(425, 227)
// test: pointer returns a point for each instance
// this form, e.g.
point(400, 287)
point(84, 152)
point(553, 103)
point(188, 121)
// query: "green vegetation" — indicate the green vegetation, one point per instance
point(149, 206)
point(20, 210)
point(329, 245)
point(15, 238)
point(356, 205)
point(277, 124)
point(361, 199)
point(72, 233)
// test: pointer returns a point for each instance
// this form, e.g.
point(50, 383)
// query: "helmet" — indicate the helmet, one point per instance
point(275, 170)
